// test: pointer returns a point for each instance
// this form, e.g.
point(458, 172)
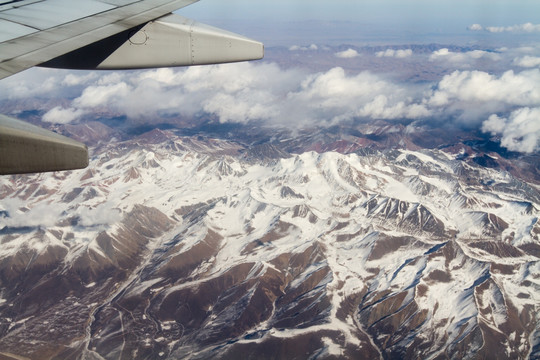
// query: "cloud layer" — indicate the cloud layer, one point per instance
point(502, 104)
point(243, 92)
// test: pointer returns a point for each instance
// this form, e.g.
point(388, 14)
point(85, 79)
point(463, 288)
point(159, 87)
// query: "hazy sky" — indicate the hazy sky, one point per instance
point(386, 19)
point(496, 12)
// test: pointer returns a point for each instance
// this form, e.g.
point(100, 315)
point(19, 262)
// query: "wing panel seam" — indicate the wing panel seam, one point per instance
point(19, 23)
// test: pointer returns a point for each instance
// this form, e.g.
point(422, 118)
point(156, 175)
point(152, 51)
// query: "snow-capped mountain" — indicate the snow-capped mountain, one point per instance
point(192, 247)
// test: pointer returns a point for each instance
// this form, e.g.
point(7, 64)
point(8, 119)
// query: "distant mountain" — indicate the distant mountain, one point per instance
point(361, 243)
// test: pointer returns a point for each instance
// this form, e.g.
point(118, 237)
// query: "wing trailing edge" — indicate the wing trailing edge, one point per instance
point(25, 148)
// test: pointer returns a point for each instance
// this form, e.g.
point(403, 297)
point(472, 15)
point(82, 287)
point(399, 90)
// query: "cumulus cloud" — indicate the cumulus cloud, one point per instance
point(400, 54)
point(471, 95)
point(463, 58)
point(347, 54)
point(519, 132)
point(466, 90)
point(59, 115)
point(100, 95)
point(527, 61)
point(521, 89)
point(333, 96)
point(476, 27)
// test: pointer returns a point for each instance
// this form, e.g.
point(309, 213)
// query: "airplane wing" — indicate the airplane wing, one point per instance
point(27, 148)
point(99, 34)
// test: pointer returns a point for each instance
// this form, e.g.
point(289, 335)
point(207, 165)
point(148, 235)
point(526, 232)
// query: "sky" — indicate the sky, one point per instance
point(375, 19)
point(403, 11)
point(478, 64)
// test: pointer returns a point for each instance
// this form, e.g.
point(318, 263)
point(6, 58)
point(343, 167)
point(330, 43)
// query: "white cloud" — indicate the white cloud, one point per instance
point(239, 92)
point(303, 48)
point(400, 54)
point(48, 215)
point(527, 61)
point(102, 214)
point(112, 78)
point(521, 28)
point(240, 108)
point(162, 75)
point(527, 27)
point(59, 115)
point(520, 50)
point(332, 96)
point(478, 86)
point(347, 54)
point(40, 215)
point(463, 58)
point(72, 79)
point(471, 96)
point(235, 92)
point(519, 132)
point(476, 27)
point(100, 95)
point(380, 108)
point(36, 82)
point(494, 124)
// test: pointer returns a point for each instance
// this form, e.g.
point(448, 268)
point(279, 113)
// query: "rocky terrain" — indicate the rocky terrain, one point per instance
point(365, 244)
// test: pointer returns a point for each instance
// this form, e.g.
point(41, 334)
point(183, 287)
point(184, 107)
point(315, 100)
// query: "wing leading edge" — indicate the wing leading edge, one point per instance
point(97, 34)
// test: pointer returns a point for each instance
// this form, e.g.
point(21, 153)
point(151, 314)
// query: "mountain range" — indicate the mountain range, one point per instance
point(372, 241)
